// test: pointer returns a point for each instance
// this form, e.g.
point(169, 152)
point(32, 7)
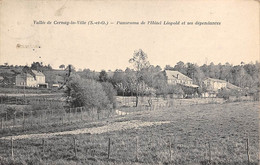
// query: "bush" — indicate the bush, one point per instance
point(110, 92)
point(226, 93)
point(86, 92)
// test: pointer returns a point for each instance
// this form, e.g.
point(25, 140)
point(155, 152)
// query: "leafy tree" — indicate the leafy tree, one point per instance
point(62, 66)
point(119, 81)
point(140, 62)
point(40, 67)
point(88, 74)
point(110, 92)
point(131, 81)
point(103, 76)
point(85, 92)
point(168, 67)
point(181, 67)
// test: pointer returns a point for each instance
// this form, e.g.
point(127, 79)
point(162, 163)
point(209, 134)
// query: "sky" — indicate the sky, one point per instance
point(110, 46)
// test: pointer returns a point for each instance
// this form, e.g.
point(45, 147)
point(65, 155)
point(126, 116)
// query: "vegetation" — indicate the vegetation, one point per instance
point(199, 134)
point(145, 78)
point(85, 92)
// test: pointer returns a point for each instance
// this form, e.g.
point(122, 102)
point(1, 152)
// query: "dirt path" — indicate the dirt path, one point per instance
point(116, 126)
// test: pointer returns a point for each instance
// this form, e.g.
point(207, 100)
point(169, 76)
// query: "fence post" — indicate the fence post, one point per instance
point(2, 127)
point(12, 148)
point(40, 119)
point(14, 119)
point(75, 148)
point(108, 149)
point(136, 149)
point(23, 120)
point(247, 151)
point(31, 119)
point(81, 113)
point(209, 154)
point(46, 117)
point(170, 149)
point(69, 114)
point(43, 147)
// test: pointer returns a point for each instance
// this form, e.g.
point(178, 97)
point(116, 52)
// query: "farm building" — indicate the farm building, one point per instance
point(216, 84)
point(30, 78)
point(175, 77)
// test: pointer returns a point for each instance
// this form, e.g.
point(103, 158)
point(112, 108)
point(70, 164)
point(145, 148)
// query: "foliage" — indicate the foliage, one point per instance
point(103, 76)
point(88, 74)
point(226, 93)
point(110, 92)
point(139, 60)
point(62, 66)
point(85, 92)
point(40, 67)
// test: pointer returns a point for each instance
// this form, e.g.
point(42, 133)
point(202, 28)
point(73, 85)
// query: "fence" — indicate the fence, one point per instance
point(27, 119)
point(21, 100)
point(145, 149)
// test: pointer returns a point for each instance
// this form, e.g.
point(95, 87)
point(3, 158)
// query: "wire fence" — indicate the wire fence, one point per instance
point(27, 119)
point(149, 150)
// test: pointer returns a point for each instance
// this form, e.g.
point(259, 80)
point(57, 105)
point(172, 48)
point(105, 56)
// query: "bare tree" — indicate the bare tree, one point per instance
point(140, 62)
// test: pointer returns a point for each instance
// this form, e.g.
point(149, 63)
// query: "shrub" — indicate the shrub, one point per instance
point(110, 92)
point(86, 92)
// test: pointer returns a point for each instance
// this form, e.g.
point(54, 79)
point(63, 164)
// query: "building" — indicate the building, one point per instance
point(31, 78)
point(216, 84)
point(175, 77)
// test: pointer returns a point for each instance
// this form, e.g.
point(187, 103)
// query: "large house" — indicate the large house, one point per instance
point(30, 78)
point(175, 77)
point(212, 84)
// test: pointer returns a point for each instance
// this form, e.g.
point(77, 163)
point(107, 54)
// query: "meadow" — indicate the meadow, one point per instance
point(199, 134)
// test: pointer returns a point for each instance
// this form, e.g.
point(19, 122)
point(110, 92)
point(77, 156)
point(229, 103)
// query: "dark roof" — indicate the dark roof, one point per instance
point(215, 80)
point(171, 75)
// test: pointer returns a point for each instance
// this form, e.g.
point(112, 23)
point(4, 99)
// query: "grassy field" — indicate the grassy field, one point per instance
point(183, 134)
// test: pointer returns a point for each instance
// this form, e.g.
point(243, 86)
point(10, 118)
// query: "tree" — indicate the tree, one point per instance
point(168, 67)
point(181, 67)
point(110, 92)
point(85, 92)
point(88, 74)
point(62, 66)
point(119, 82)
point(131, 81)
point(40, 67)
point(103, 76)
point(140, 62)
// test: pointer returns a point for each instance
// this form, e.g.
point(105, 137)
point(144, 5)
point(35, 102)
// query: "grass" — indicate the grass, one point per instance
point(225, 127)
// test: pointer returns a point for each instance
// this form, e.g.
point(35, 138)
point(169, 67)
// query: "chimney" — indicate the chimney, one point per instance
point(177, 76)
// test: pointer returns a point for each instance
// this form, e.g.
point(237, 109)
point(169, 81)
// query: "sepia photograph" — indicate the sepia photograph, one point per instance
point(102, 82)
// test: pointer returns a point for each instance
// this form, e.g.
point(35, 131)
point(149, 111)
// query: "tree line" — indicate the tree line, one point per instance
point(144, 79)
point(97, 89)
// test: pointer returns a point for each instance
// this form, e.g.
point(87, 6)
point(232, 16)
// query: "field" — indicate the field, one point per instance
point(198, 134)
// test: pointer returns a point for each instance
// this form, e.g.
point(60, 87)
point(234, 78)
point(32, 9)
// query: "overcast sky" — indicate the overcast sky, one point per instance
point(110, 47)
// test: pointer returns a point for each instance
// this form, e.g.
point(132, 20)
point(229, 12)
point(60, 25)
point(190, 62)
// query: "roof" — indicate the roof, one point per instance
point(215, 80)
point(231, 86)
point(37, 73)
point(170, 74)
point(190, 85)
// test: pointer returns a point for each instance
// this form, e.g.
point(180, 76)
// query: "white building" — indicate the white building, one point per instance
point(30, 79)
